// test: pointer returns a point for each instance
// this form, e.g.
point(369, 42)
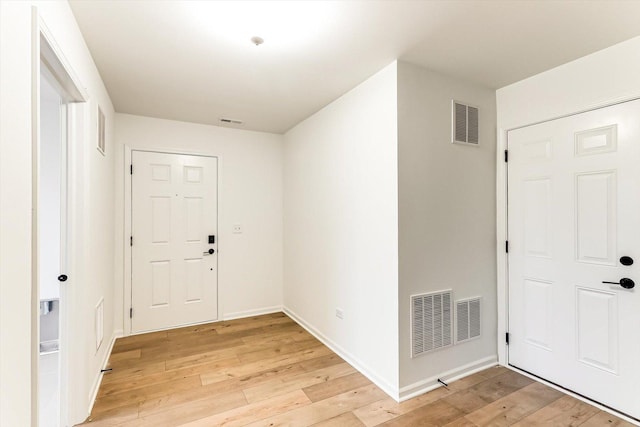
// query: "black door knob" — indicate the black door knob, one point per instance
point(62, 278)
point(626, 260)
point(211, 251)
point(627, 283)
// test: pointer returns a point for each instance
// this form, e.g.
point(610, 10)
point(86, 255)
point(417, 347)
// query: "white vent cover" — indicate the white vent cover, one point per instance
point(467, 319)
point(431, 322)
point(464, 128)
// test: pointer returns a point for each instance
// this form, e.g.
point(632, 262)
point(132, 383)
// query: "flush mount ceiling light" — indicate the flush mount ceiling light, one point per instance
point(285, 24)
point(257, 40)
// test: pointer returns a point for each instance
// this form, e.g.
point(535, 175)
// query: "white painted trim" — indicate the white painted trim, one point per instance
point(353, 361)
point(96, 385)
point(126, 232)
point(428, 384)
point(502, 271)
point(59, 66)
point(576, 396)
point(251, 313)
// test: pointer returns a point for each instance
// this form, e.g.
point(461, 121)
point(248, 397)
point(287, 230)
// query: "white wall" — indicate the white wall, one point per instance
point(602, 78)
point(250, 185)
point(91, 270)
point(341, 240)
point(447, 217)
point(16, 317)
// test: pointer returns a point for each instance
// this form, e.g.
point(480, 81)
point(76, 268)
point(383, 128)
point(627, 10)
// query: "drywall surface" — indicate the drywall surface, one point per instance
point(446, 216)
point(602, 78)
point(16, 320)
point(340, 216)
point(91, 215)
point(595, 80)
point(249, 194)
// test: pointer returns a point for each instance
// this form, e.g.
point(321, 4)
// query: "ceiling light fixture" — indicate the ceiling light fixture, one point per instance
point(257, 40)
point(286, 24)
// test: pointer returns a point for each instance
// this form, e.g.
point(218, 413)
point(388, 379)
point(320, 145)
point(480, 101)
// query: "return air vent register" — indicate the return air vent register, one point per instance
point(464, 123)
point(431, 322)
point(467, 319)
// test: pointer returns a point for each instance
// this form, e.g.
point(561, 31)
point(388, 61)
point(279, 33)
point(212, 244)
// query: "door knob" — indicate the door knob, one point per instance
point(625, 282)
point(209, 252)
point(62, 278)
point(626, 260)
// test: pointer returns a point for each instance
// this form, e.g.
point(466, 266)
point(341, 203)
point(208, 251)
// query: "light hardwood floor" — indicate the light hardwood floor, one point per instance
point(268, 371)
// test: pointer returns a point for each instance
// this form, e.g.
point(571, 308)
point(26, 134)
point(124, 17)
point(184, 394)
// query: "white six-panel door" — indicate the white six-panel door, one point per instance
point(174, 210)
point(573, 212)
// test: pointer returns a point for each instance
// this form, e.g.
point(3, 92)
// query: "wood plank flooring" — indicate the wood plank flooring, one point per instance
point(268, 371)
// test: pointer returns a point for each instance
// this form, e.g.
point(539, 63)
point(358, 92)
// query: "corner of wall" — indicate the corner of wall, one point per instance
point(341, 225)
point(446, 219)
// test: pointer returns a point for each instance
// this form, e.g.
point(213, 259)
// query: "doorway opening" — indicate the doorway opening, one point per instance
point(573, 234)
point(51, 247)
point(59, 124)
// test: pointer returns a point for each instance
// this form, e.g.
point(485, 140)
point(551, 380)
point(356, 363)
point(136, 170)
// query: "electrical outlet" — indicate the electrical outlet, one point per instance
point(237, 229)
point(339, 313)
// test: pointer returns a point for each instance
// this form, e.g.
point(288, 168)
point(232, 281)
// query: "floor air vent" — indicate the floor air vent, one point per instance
point(431, 322)
point(467, 319)
point(464, 123)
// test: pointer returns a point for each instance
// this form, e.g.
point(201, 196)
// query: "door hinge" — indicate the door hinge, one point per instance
point(131, 313)
point(506, 246)
point(131, 169)
point(506, 156)
point(507, 338)
point(130, 240)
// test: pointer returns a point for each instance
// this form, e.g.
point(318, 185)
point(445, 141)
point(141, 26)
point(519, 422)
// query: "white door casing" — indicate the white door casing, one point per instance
point(174, 210)
point(573, 209)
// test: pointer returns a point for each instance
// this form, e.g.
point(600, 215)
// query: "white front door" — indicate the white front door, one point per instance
point(574, 213)
point(174, 262)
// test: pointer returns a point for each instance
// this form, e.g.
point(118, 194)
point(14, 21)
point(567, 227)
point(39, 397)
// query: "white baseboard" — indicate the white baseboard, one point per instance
point(353, 361)
point(96, 384)
point(428, 384)
point(251, 313)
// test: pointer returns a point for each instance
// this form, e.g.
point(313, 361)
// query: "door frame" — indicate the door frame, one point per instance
point(502, 236)
point(127, 228)
point(47, 57)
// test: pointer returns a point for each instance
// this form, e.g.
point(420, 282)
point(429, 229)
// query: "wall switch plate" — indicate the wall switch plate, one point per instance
point(237, 229)
point(339, 313)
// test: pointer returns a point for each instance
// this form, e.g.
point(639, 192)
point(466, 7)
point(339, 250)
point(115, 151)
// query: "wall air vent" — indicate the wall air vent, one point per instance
point(431, 322)
point(464, 128)
point(230, 121)
point(467, 319)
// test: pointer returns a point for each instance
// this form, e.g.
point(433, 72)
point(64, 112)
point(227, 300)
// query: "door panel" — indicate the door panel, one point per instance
point(573, 211)
point(174, 210)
